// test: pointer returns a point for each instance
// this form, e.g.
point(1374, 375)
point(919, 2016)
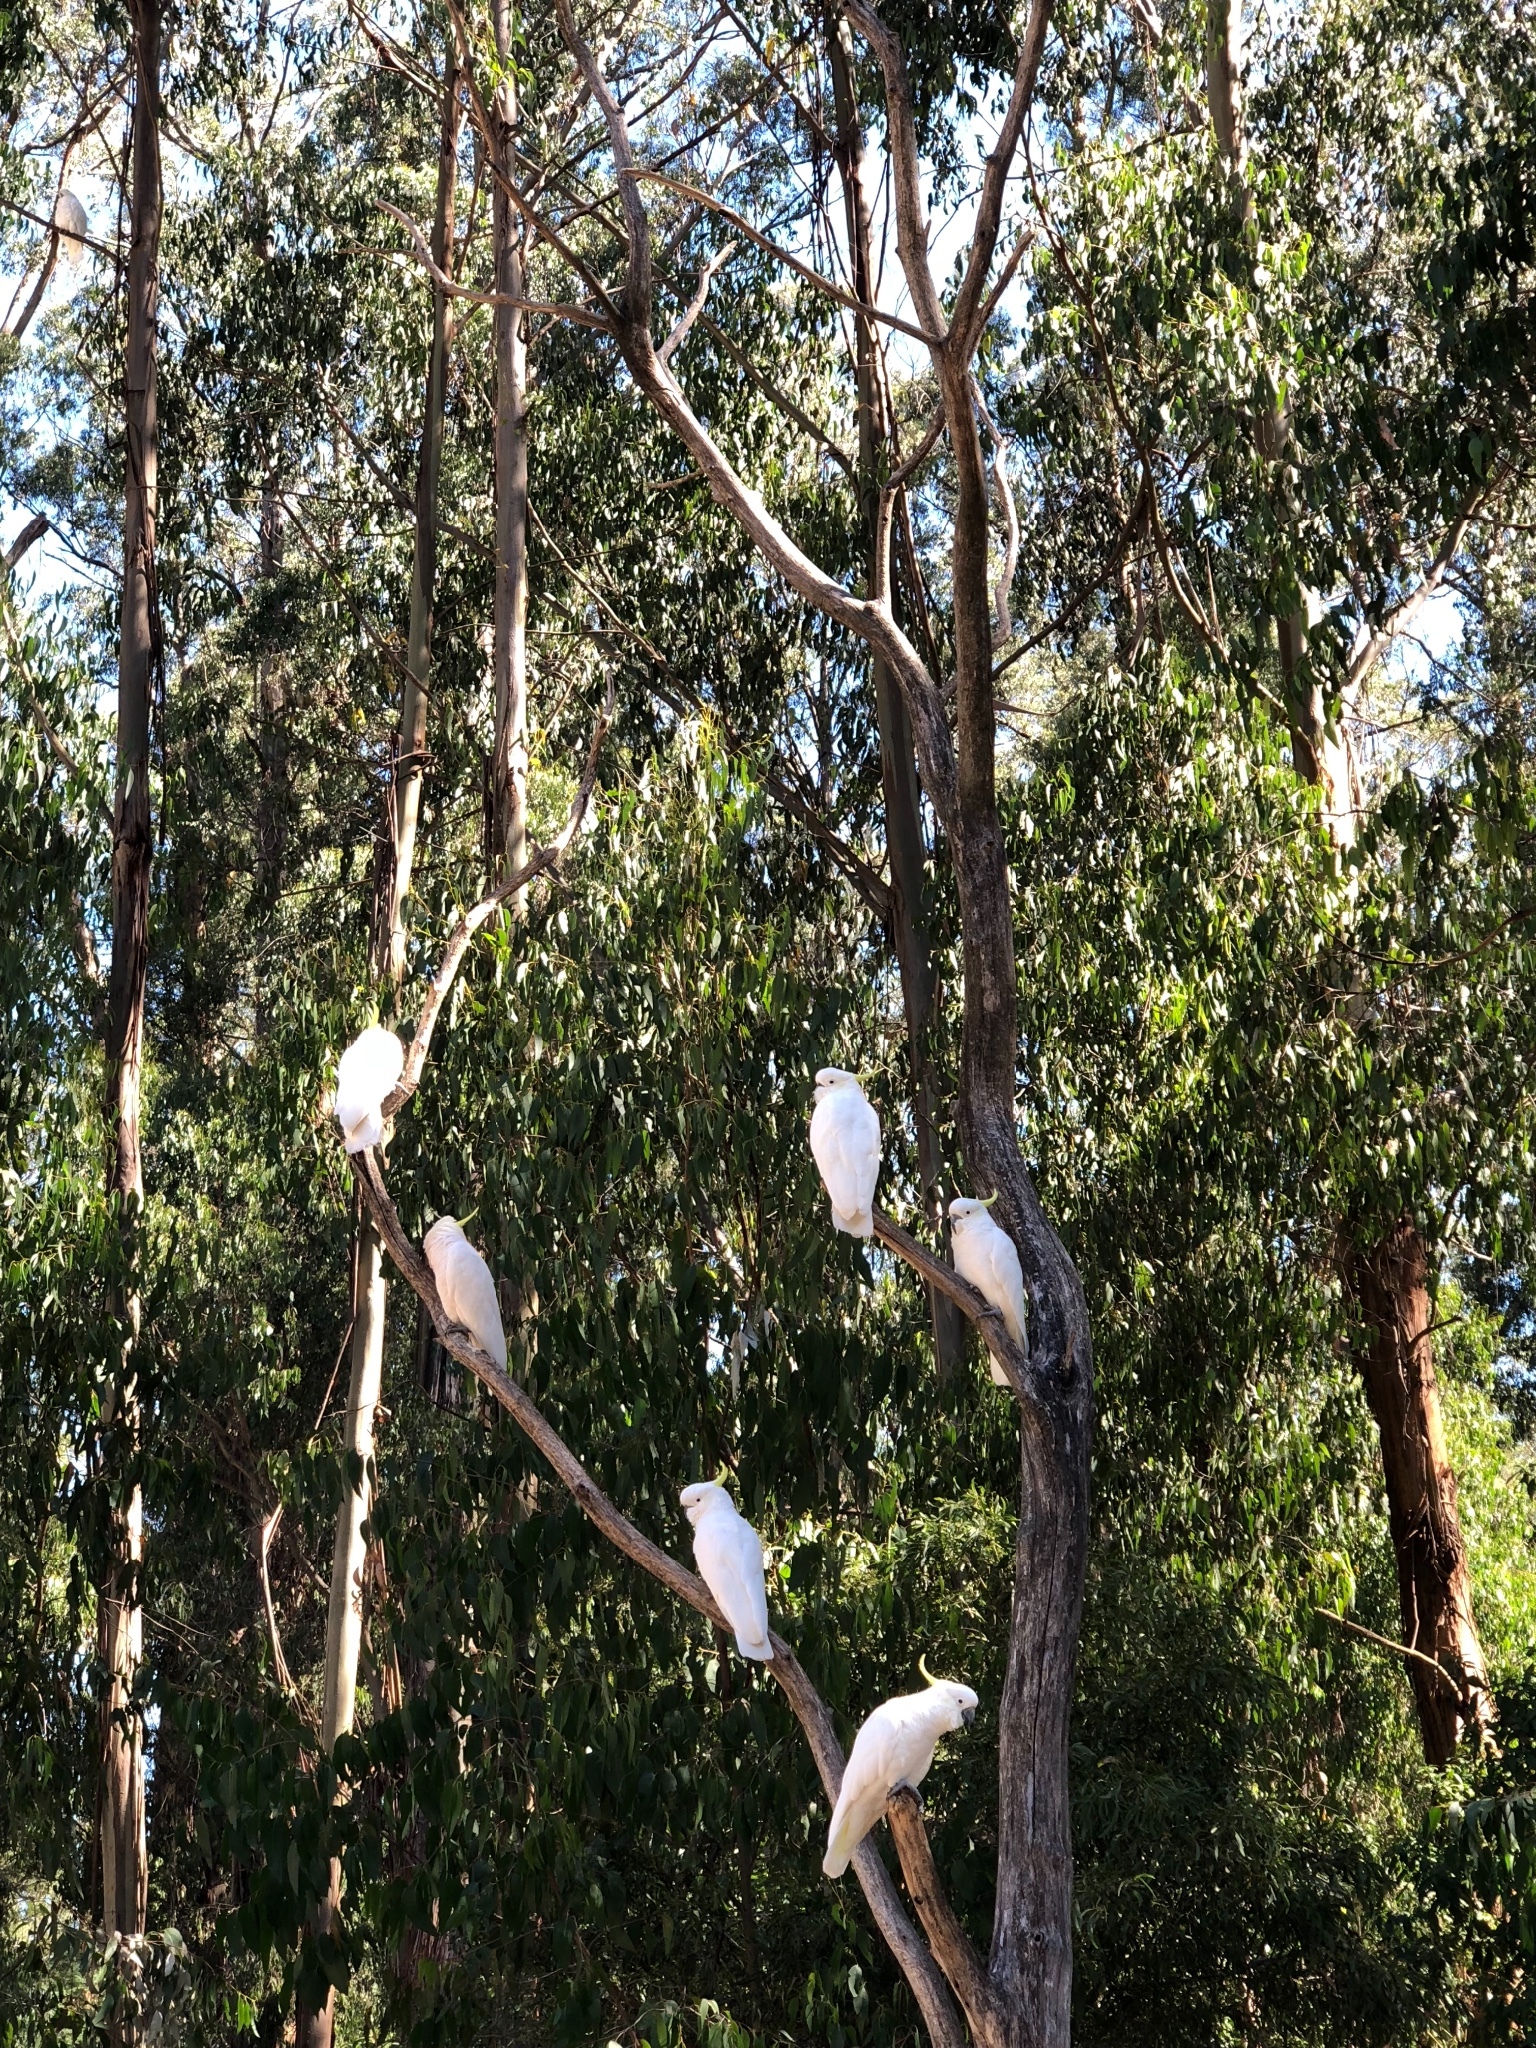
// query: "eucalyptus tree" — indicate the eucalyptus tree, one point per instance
point(1275, 325)
point(1024, 1992)
point(778, 520)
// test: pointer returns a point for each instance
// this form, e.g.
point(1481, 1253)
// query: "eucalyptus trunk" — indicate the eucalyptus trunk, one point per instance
point(122, 1849)
point(1389, 1284)
point(370, 1304)
point(1386, 1282)
point(905, 851)
point(509, 645)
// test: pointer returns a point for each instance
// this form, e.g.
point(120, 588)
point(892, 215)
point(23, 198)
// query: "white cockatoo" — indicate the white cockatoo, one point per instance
point(465, 1286)
point(893, 1748)
point(988, 1257)
point(845, 1143)
point(69, 219)
point(368, 1070)
point(729, 1555)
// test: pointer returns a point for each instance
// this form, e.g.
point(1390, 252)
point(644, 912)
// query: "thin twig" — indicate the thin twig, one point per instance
point(1369, 1635)
point(458, 944)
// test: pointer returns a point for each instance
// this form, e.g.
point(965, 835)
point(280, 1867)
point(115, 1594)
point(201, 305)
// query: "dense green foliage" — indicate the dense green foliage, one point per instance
point(567, 1814)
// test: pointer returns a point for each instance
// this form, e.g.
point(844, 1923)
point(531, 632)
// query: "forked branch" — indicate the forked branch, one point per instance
point(925, 1978)
point(871, 620)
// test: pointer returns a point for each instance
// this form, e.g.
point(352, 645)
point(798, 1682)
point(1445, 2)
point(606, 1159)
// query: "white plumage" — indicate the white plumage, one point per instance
point(845, 1143)
point(988, 1257)
point(69, 217)
point(893, 1748)
point(465, 1285)
point(729, 1554)
point(368, 1070)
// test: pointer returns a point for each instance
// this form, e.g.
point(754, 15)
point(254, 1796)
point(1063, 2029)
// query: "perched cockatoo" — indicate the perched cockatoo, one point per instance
point(988, 1257)
point(729, 1556)
point(893, 1748)
point(368, 1070)
point(845, 1143)
point(69, 219)
point(465, 1286)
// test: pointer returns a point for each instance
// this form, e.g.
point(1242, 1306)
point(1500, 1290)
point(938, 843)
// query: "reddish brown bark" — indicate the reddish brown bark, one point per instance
point(1387, 1283)
point(1390, 1287)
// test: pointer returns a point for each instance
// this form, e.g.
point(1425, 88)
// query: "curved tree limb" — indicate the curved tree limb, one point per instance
point(993, 1330)
point(873, 621)
point(781, 255)
point(695, 305)
point(946, 1937)
point(583, 316)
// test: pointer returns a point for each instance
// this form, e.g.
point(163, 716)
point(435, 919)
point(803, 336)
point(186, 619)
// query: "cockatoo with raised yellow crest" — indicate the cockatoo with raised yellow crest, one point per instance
point(465, 1286)
point(988, 1257)
point(845, 1143)
point(729, 1554)
point(893, 1748)
point(367, 1071)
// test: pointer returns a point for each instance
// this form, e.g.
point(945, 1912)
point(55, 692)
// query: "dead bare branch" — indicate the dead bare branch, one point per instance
point(28, 537)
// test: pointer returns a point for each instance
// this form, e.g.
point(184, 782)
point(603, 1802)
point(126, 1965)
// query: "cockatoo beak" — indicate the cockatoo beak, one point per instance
point(967, 1715)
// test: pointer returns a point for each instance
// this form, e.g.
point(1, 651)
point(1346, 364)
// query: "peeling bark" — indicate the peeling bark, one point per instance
point(1389, 1284)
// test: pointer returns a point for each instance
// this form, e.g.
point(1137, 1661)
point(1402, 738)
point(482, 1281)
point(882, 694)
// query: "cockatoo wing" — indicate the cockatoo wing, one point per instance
point(894, 1747)
point(845, 1143)
point(1007, 1280)
point(865, 1788)
point(366, 1072)
point(730, 1558)
point(915, 1735)
point(469, 1295)
point(367, 1133)
point(988, 1257)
